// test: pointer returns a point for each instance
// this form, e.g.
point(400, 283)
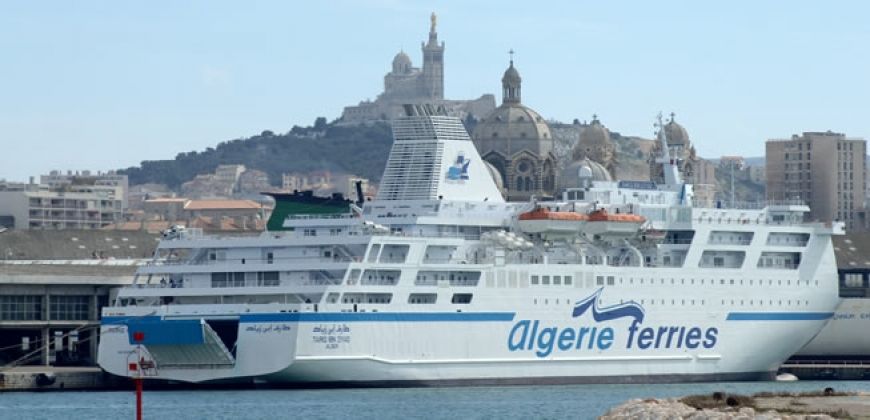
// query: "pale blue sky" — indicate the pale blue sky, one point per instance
point(101, 85)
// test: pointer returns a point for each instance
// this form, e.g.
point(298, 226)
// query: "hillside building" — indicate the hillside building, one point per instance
point(66, 206)
point(825, 170)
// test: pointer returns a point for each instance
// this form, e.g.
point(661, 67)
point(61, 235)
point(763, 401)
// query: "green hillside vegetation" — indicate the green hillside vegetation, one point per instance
point(357, 150)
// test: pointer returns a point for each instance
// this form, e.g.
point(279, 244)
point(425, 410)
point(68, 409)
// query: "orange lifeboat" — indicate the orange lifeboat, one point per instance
point(551, 223)
point(603, 223)
point(543, 213)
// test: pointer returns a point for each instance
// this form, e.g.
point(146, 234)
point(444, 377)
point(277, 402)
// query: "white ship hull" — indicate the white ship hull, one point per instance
point(475, 346)
point(845, 335)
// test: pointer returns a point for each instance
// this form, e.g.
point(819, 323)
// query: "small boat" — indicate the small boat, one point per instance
point(548, 222)
point(603, 223)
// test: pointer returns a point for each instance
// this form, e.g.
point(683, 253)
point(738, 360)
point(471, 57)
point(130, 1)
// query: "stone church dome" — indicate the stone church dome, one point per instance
point(593, 138)
point(573, 174)
point(401, 63)
point(676, 134)
point(518, 124)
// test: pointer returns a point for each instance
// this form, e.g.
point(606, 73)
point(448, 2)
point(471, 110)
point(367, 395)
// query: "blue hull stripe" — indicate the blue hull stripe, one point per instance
point(350, 317)
point(779, 316)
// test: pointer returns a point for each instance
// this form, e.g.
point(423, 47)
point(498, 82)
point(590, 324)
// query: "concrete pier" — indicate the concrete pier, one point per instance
point(43, 378)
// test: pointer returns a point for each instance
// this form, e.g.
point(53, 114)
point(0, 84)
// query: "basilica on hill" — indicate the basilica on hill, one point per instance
point(406, 84)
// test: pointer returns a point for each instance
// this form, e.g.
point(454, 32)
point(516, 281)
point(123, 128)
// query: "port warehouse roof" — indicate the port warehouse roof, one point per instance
point(853, 251)
point(76, 244)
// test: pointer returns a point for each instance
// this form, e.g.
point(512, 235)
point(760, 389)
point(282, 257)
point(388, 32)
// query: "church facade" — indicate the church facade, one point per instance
point(517, 142)
point(406, 84)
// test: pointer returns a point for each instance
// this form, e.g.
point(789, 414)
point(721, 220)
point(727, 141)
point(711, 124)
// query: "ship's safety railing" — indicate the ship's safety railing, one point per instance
point(673, 241)
point(755, 221)
point(747, 205)
point(265, 261)
point(321, 216)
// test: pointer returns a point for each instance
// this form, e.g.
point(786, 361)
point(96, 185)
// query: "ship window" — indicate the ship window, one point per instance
point(557, 280)
point(227, 279)
point(394, 253)
point(375, 298)
point(381, 277)
point(353, 277)
point(568, 280)
point(599, 280)
point(461, 298)
point(610, 280)
point(534, 279)
point(268, 278)
point(545, 280)
point(422, 298)
point(270, 257)
point(309, 232)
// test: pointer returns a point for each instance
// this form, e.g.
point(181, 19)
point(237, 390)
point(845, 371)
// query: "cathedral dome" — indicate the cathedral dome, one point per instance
point(401, 63)
point(573, 175)
point(676, 134)
point(518, 125)
point(495, 174)
point(517, 141)
point(593, 138)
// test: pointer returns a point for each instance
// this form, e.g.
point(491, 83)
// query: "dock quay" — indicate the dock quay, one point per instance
point(828, 369)
point(45, 378)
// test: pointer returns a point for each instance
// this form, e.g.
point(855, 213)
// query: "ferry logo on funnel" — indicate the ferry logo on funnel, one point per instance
point(458, 172)
point(603, 335)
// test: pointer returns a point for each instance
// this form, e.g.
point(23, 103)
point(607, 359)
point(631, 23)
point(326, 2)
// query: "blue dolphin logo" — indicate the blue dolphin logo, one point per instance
point(607, 313)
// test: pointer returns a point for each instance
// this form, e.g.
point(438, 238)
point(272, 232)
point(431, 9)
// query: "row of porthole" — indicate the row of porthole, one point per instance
point(547, 301)
point(611, 282)
point(692, 302)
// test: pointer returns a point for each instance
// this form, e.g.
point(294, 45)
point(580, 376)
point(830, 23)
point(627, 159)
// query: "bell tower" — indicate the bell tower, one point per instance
point(432, 82)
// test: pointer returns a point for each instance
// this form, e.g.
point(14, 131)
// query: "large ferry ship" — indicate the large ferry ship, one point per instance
point(438, 280)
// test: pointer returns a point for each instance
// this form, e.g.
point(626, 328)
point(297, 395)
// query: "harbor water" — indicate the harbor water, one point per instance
point(511, 402)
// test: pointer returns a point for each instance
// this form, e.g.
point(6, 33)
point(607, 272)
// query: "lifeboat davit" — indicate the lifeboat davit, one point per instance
point(603, 223)
point(545, 221)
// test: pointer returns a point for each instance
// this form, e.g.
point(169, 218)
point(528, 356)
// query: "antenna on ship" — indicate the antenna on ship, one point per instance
point(669, 164)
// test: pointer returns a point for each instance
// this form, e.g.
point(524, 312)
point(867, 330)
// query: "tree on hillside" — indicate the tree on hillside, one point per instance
point(358, 150)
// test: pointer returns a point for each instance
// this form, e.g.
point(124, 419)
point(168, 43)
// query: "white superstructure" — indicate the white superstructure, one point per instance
point(436, 281)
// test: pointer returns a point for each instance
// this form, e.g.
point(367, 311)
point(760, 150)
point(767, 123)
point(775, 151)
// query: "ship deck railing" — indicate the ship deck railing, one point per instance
point(321, 216)
point(257, 261)
point(747, 205)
